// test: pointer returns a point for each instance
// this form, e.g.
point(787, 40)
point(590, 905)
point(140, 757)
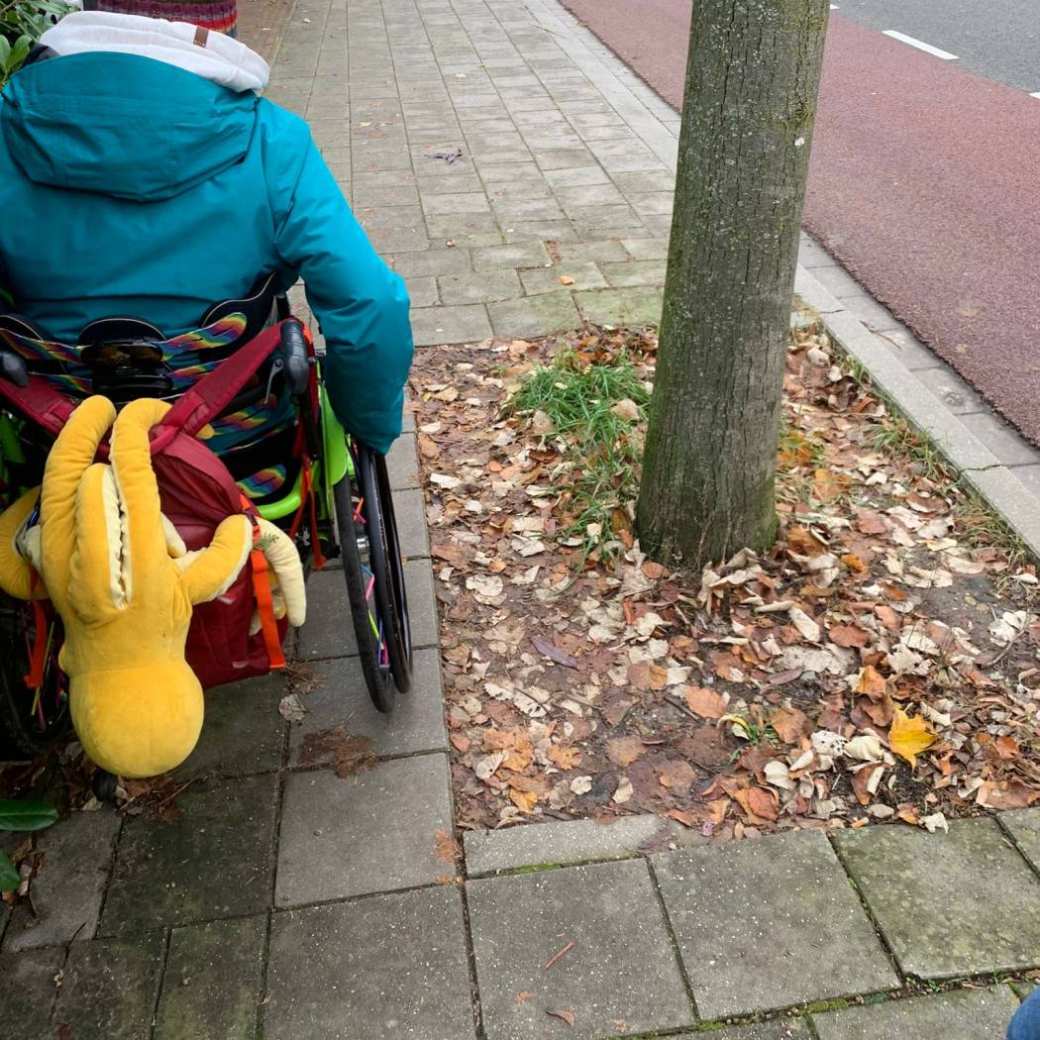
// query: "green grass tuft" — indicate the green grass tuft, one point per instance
point(602, 448)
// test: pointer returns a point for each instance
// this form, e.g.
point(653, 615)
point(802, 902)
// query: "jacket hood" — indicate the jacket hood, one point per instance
point(120, 124)
point(212, 55)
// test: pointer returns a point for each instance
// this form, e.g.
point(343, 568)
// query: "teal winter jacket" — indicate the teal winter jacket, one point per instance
point(129, 186)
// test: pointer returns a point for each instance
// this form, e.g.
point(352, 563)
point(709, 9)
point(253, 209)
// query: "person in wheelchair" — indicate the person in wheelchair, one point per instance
point(141, 174)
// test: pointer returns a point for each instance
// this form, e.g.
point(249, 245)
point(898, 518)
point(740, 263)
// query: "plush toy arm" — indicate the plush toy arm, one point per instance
point(281, 554)
point(208, 573)
point(131, 456)
point(100, 579)
point(16, 572)
point(68, 460)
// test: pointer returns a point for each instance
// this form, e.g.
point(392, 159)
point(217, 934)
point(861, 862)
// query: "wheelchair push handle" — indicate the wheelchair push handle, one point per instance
point(291, 358)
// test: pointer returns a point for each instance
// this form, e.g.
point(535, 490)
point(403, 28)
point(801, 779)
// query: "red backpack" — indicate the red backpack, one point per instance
point(197, 492)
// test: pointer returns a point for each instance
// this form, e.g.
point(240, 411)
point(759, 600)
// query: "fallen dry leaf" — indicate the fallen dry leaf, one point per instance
point(564, 1015)
point(909, 736)
point(623, 751)
point(704, 702)
point(446, 847)
point(790, 724)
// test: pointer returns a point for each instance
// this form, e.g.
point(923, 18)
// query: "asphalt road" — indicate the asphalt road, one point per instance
point(999, 39)
point(925, 175)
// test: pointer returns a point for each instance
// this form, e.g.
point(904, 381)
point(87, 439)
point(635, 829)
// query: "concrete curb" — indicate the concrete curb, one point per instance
point(966, 453)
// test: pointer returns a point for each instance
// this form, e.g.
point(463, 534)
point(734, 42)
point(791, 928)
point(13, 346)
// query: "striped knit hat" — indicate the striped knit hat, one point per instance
point(215, 15)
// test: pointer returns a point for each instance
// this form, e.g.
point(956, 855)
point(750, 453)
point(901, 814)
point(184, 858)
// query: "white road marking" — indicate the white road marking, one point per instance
point(921, 45)
point(1036, 95)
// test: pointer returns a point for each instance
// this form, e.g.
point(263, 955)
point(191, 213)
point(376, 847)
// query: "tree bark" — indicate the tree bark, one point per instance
point(750, 100)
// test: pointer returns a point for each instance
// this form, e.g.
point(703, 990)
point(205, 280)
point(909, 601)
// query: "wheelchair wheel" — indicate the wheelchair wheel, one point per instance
point(31, 721)
point(387, 566)
point(355, 554)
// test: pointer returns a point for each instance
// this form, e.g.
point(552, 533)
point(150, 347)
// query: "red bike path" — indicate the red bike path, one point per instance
point(925, 184)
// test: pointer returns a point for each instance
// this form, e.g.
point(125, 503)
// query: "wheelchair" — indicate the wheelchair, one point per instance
point(279, 439)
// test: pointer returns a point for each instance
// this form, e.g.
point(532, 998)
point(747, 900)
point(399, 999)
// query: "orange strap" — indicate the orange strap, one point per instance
point(265, 608)
point(262, 594)
point(38, 658)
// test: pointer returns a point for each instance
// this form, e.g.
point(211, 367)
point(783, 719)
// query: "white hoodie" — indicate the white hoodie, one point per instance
point(212, 55)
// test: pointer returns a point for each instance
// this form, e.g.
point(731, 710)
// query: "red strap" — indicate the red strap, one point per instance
point(215, 391)
point(38, 657)
point(41, 402)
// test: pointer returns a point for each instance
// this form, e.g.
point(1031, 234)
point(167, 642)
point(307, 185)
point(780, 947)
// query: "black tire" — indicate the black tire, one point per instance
point(20, 731)
point(386, 564)
point(378, 679)
point(104, 785)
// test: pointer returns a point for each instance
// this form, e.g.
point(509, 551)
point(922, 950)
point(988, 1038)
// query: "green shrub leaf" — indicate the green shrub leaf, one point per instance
point(9, 876)
point(25, 815)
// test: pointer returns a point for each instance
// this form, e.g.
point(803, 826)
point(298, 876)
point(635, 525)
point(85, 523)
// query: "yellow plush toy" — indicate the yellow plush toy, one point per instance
point(119, 577)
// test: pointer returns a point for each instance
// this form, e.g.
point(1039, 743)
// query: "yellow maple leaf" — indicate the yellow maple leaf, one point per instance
point(909, 736)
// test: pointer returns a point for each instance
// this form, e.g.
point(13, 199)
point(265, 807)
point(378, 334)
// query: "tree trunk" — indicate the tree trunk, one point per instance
point(750, 100)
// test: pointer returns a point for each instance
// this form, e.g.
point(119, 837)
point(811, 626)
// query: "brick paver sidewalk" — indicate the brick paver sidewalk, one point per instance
point(289, 904)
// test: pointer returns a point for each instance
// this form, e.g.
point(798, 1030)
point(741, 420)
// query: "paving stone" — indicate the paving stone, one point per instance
point(564, 158)
point(534, 315)
point(27, 991)
point(582, 275)
point(644, 180)
point(621, 306)
point(439, 205)
point(874, 314)
point(69, 888)
point(636, 272)
point(769, 923)
point(389, 967)
point(837, 281)
point(812, 255)
point(329, 631)
point(1003, 440)
point(959, 1015)
point(571, 178)
point(580, 197)
point(422, 292)
point(540, 231)
point(410, 514)
point(377, 217)
point(422, 606)
point(1024, 826)
point(465, 230)
point(514, 255)
point(948, 904)
point(646, 249)
point(242, 733)
point(456, 182)
point(620, 977)
point(480, 286)
point(563, 842)
point(604, 250)
point(211, 987)
point(213, 861)
point(909, 350)
point(109, 988)
point(339, 699)
point(375, 831)
point(434, 326)
point(514, 210)
point(432, 262)
point(398, 240)
point(652, 203)
point(402, 464)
